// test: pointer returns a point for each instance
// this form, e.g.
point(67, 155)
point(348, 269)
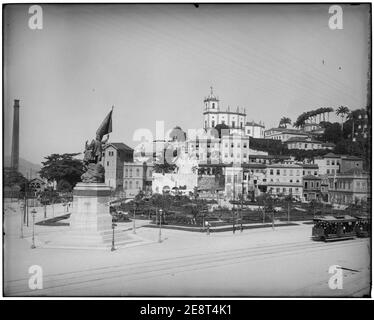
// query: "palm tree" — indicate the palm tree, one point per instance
point(342, 112)
point(284, 121)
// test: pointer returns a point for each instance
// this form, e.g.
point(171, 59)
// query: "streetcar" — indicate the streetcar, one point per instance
point(333, 228)
point(362, 226)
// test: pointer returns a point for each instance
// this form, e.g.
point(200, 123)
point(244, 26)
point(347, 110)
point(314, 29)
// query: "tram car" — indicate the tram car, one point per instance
point(363, 226)
point(333, 228)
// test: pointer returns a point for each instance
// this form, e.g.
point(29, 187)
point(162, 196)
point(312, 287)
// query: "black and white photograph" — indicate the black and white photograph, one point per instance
point(197, 150)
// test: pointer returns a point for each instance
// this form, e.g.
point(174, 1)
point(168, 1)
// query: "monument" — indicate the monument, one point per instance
point(90, 220)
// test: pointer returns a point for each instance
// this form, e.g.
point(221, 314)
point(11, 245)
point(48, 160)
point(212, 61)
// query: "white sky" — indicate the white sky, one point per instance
point(157, 62)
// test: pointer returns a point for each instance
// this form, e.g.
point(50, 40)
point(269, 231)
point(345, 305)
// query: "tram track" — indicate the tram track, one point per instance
point(62, 283)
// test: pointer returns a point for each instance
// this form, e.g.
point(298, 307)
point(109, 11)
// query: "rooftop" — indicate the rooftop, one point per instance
point(254, 124)
point(119, 146)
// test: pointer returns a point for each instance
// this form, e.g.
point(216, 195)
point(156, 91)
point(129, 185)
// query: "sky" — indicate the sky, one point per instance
point(158, 62)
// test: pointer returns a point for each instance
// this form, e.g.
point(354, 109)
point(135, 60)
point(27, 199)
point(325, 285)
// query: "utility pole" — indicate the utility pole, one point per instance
point(233, 206)
point(33, 212)
point(133, 228)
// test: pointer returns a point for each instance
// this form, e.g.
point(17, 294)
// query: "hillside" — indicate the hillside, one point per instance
point(25, 167)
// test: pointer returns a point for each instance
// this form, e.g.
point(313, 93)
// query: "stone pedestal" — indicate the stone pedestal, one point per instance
point(90, 222)
point(91, 208)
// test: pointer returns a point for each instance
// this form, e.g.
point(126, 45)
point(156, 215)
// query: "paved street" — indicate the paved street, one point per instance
point(262, 262)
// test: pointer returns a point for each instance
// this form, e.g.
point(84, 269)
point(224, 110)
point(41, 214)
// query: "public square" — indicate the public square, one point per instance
point(262, 262)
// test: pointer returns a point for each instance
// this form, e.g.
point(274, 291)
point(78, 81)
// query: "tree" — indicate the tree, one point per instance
point(13, 178)
point(284, 121)
point(342, 112)
point(63, 169)
point(332, 132)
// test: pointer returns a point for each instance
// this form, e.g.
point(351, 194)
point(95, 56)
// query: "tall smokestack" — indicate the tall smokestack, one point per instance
point(15, 138)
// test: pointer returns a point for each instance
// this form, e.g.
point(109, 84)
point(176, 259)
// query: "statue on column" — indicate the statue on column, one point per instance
point(94, 170)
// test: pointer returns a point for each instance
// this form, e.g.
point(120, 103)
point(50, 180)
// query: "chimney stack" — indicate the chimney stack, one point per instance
point(14, 163)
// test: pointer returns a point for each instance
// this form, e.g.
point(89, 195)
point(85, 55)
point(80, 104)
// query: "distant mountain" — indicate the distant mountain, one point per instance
point(25, 167)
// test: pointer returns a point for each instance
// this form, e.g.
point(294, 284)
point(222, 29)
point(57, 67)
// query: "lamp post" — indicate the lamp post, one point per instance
point(133, 227)
point(33, 212)
point(159, 231)
point(241, 209)
point(22, 217)
point(113, 226)
point(233, 206)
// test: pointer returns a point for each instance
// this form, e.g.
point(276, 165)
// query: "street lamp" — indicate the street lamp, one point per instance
point(159, 232)
point(113, 226)
point(133, 228)
point(33, 212)
point(22, 222)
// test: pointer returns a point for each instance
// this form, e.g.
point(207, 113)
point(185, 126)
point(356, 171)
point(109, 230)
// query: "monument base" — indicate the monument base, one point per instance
point(91, 221)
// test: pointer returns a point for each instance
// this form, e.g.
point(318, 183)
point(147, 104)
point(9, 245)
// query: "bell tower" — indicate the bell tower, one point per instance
point(211, 109)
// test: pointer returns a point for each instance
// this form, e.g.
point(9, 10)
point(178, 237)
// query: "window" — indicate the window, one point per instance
point(130, 172)
point(137, 172)
point(244, 145)
point(291, 172)
point(271, 171)
point(328, 171)
point(137, 184)
point(213, 105)
point(284, 172)
point(125, 185)
point(126, 172)
point(130, 184)
point(284, 190)
point(278, 172)
point(213, 124)
point(328, 162)
point(332, 162)
point(107, 163)
point(233, 124)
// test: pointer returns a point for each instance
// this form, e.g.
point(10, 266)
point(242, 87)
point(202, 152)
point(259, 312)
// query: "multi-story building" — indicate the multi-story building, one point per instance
point(331, 163)
point(284, 179)
point(328, 164)
point(312, 188)
point(351, 162)
point(137, 176)
point(307, 143)
point(255, 130)
point(235, 149)
point(349, 187)
point(310, 169)
point(114, 156)
point(284, 134)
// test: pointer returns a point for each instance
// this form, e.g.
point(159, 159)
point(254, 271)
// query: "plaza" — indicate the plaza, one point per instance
point(259, 262)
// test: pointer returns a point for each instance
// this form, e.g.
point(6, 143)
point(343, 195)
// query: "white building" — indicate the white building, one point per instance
point(255, 130)
point(214, 114)
point(286, 179)
point(307, 143)
point(284, 134)
point(328, 164)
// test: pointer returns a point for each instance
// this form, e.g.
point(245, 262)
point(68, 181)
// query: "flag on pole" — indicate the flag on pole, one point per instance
point(106, 125)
